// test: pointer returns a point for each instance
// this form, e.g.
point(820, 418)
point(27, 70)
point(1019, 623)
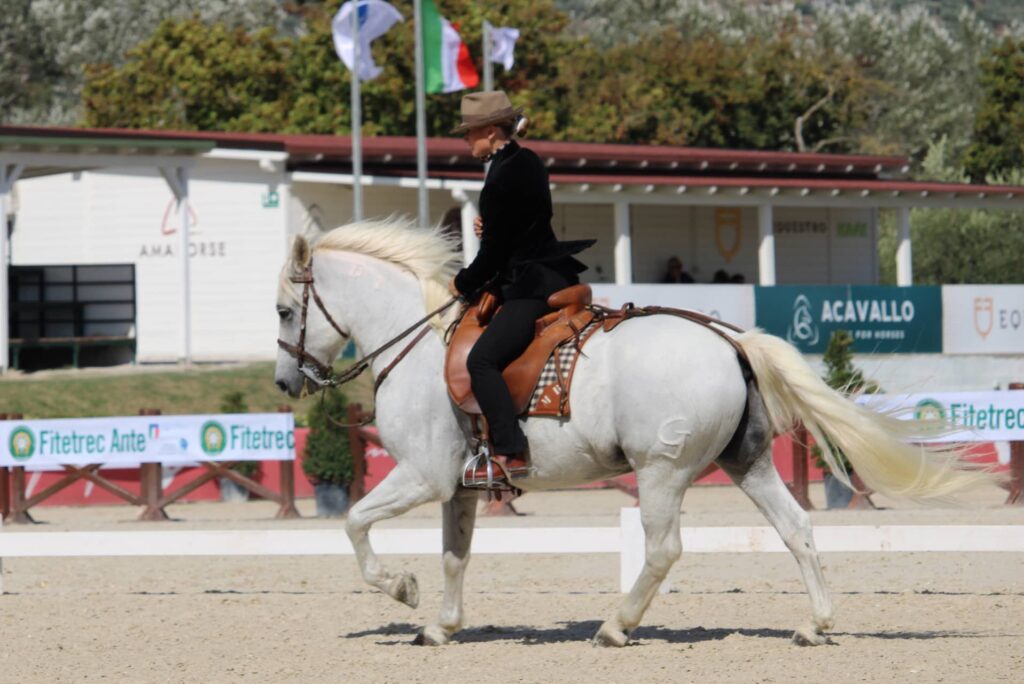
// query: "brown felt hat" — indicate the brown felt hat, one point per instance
point(486, 108)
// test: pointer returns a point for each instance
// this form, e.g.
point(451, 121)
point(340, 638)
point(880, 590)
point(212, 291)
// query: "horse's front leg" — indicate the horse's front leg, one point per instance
point(459, 519)
point(401, 490)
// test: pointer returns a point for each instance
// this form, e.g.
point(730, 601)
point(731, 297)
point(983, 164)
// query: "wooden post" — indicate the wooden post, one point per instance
point(357, 447)
point(19, 511)
point(287, 471)
point(151, 483)
point(799, 486)
point(1016, 497)
point(5, 488)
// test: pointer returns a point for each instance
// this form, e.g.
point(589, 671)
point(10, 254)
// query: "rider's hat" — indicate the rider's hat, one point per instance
point(486, 108)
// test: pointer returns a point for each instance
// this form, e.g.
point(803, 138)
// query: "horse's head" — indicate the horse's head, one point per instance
point(308, 341)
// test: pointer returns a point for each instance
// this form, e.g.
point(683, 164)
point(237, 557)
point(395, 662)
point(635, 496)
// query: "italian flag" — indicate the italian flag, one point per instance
point(446, 59)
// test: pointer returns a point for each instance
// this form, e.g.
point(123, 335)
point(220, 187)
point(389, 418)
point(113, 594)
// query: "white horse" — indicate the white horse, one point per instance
point(659, 396)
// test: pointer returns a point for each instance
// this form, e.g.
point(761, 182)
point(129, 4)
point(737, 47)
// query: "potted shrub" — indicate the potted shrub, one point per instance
point(328, 460)
point(844, 377)
point(231, 491)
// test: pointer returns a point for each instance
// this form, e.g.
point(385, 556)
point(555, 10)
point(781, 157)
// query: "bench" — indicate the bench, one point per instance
point(75, 344)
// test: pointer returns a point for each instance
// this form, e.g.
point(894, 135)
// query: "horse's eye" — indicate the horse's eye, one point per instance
point(284, 313)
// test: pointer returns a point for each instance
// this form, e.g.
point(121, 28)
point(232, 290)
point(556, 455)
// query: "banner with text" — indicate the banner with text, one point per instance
point(730, 303)
point(985, 416)
point(882, 320)
point(131, 440)
point(983, 319)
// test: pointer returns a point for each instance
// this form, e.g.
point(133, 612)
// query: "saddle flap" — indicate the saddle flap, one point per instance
point(521, 375)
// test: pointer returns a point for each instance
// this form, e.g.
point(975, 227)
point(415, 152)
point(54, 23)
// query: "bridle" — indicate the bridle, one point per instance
point(320, 374)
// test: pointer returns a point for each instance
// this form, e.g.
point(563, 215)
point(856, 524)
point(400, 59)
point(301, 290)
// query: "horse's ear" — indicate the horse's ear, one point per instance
point(301, 253)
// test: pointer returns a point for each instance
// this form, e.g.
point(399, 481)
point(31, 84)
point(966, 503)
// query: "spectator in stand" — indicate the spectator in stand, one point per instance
point(720, 277)
point(737, 278)
point(675, 272)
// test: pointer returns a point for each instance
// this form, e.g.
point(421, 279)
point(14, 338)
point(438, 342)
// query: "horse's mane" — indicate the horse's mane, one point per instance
point(425, 252)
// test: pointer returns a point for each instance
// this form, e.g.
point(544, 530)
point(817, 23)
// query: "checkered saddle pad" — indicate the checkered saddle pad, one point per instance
point(551, 395)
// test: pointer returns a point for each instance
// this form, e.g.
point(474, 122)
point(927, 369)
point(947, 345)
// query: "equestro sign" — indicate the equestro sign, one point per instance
point(983, 319)
point(880, 319)
point(129, 441)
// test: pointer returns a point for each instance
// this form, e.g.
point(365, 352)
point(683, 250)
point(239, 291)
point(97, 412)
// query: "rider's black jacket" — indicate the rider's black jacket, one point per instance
point(519, 252)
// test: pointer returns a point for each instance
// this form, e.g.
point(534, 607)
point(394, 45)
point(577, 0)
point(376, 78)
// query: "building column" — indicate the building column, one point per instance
point(470, 242)
point(766, 247)
point(904, 256)
point(8, 175)
point(623, 245)
point(177, 179)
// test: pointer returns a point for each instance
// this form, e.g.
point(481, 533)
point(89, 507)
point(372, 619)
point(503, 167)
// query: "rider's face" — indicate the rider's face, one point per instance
point(481, 141)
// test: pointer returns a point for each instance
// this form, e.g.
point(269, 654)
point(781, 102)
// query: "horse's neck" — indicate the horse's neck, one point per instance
point(380, 300)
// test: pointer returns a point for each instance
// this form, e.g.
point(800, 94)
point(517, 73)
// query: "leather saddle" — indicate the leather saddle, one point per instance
point(570, 316)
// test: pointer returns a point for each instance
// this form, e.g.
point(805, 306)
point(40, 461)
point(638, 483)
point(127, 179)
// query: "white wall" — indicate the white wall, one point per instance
point(129, 216)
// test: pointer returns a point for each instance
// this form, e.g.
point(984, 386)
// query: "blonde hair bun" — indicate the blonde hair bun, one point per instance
point(522, 126)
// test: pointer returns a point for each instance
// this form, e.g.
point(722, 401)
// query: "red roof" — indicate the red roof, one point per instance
point(304, 149)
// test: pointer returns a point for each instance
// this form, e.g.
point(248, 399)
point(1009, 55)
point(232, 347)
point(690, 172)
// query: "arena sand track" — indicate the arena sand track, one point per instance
point(900, 617)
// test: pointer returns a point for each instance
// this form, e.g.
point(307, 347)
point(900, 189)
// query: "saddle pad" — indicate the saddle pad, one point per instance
point(547, 398)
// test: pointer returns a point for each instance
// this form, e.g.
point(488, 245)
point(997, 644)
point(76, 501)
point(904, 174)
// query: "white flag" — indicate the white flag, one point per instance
point(375, 18)
point(503, 44)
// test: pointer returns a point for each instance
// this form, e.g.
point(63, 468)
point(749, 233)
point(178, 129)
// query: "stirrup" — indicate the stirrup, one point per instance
point(497, 478)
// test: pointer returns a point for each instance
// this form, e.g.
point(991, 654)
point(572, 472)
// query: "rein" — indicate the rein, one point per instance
point(321, 374)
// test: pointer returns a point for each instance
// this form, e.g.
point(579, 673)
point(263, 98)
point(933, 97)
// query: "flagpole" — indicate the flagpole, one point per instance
point(421, 118)
point(357, 123)
point(488, 66)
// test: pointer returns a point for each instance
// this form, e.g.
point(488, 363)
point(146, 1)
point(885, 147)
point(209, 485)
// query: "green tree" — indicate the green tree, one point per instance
point(27, 69)
point(842, 376)
point(998, 143)
point(957, 245)
point(321, 82)
point(328, 458)
point(65, 35)
point(922, 73)
point(190, 75)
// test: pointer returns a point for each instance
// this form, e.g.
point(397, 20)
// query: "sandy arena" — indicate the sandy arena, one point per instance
point(925, 617)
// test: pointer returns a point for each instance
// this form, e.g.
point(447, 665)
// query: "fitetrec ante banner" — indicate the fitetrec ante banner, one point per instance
point(883, 320)
point(131, 440)
point(985, 416)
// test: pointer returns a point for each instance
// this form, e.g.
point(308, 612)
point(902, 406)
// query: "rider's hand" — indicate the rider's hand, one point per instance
point(478, 226)
point(454, 290)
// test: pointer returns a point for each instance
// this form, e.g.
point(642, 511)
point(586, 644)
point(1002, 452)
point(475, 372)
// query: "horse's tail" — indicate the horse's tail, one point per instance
point(875, 444)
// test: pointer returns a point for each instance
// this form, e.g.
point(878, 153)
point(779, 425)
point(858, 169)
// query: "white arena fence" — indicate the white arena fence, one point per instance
point(627, 540)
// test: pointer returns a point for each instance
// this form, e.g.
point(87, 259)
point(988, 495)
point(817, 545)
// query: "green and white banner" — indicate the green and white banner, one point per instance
point(131, 440)
point(882, 320)
point(985, 416)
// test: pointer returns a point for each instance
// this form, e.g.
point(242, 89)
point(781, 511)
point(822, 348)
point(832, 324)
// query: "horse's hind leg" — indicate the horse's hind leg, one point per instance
point(761, 482)
point(661, 487)
point(459, 519)
point(401, 490)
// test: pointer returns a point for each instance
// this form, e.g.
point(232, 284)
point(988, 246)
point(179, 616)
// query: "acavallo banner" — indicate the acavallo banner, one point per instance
point(882, 320)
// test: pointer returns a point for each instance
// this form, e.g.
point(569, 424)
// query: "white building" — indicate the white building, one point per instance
point(114, 197)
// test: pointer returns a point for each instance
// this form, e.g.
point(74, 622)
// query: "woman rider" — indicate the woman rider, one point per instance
point(520, 260)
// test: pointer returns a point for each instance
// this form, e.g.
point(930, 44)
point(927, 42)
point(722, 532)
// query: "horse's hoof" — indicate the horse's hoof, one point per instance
point(609, 636)
point(810, 636)
point(432, 635)
point(406, 589)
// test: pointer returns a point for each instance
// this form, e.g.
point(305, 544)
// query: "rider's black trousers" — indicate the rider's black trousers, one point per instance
point(506, 337)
